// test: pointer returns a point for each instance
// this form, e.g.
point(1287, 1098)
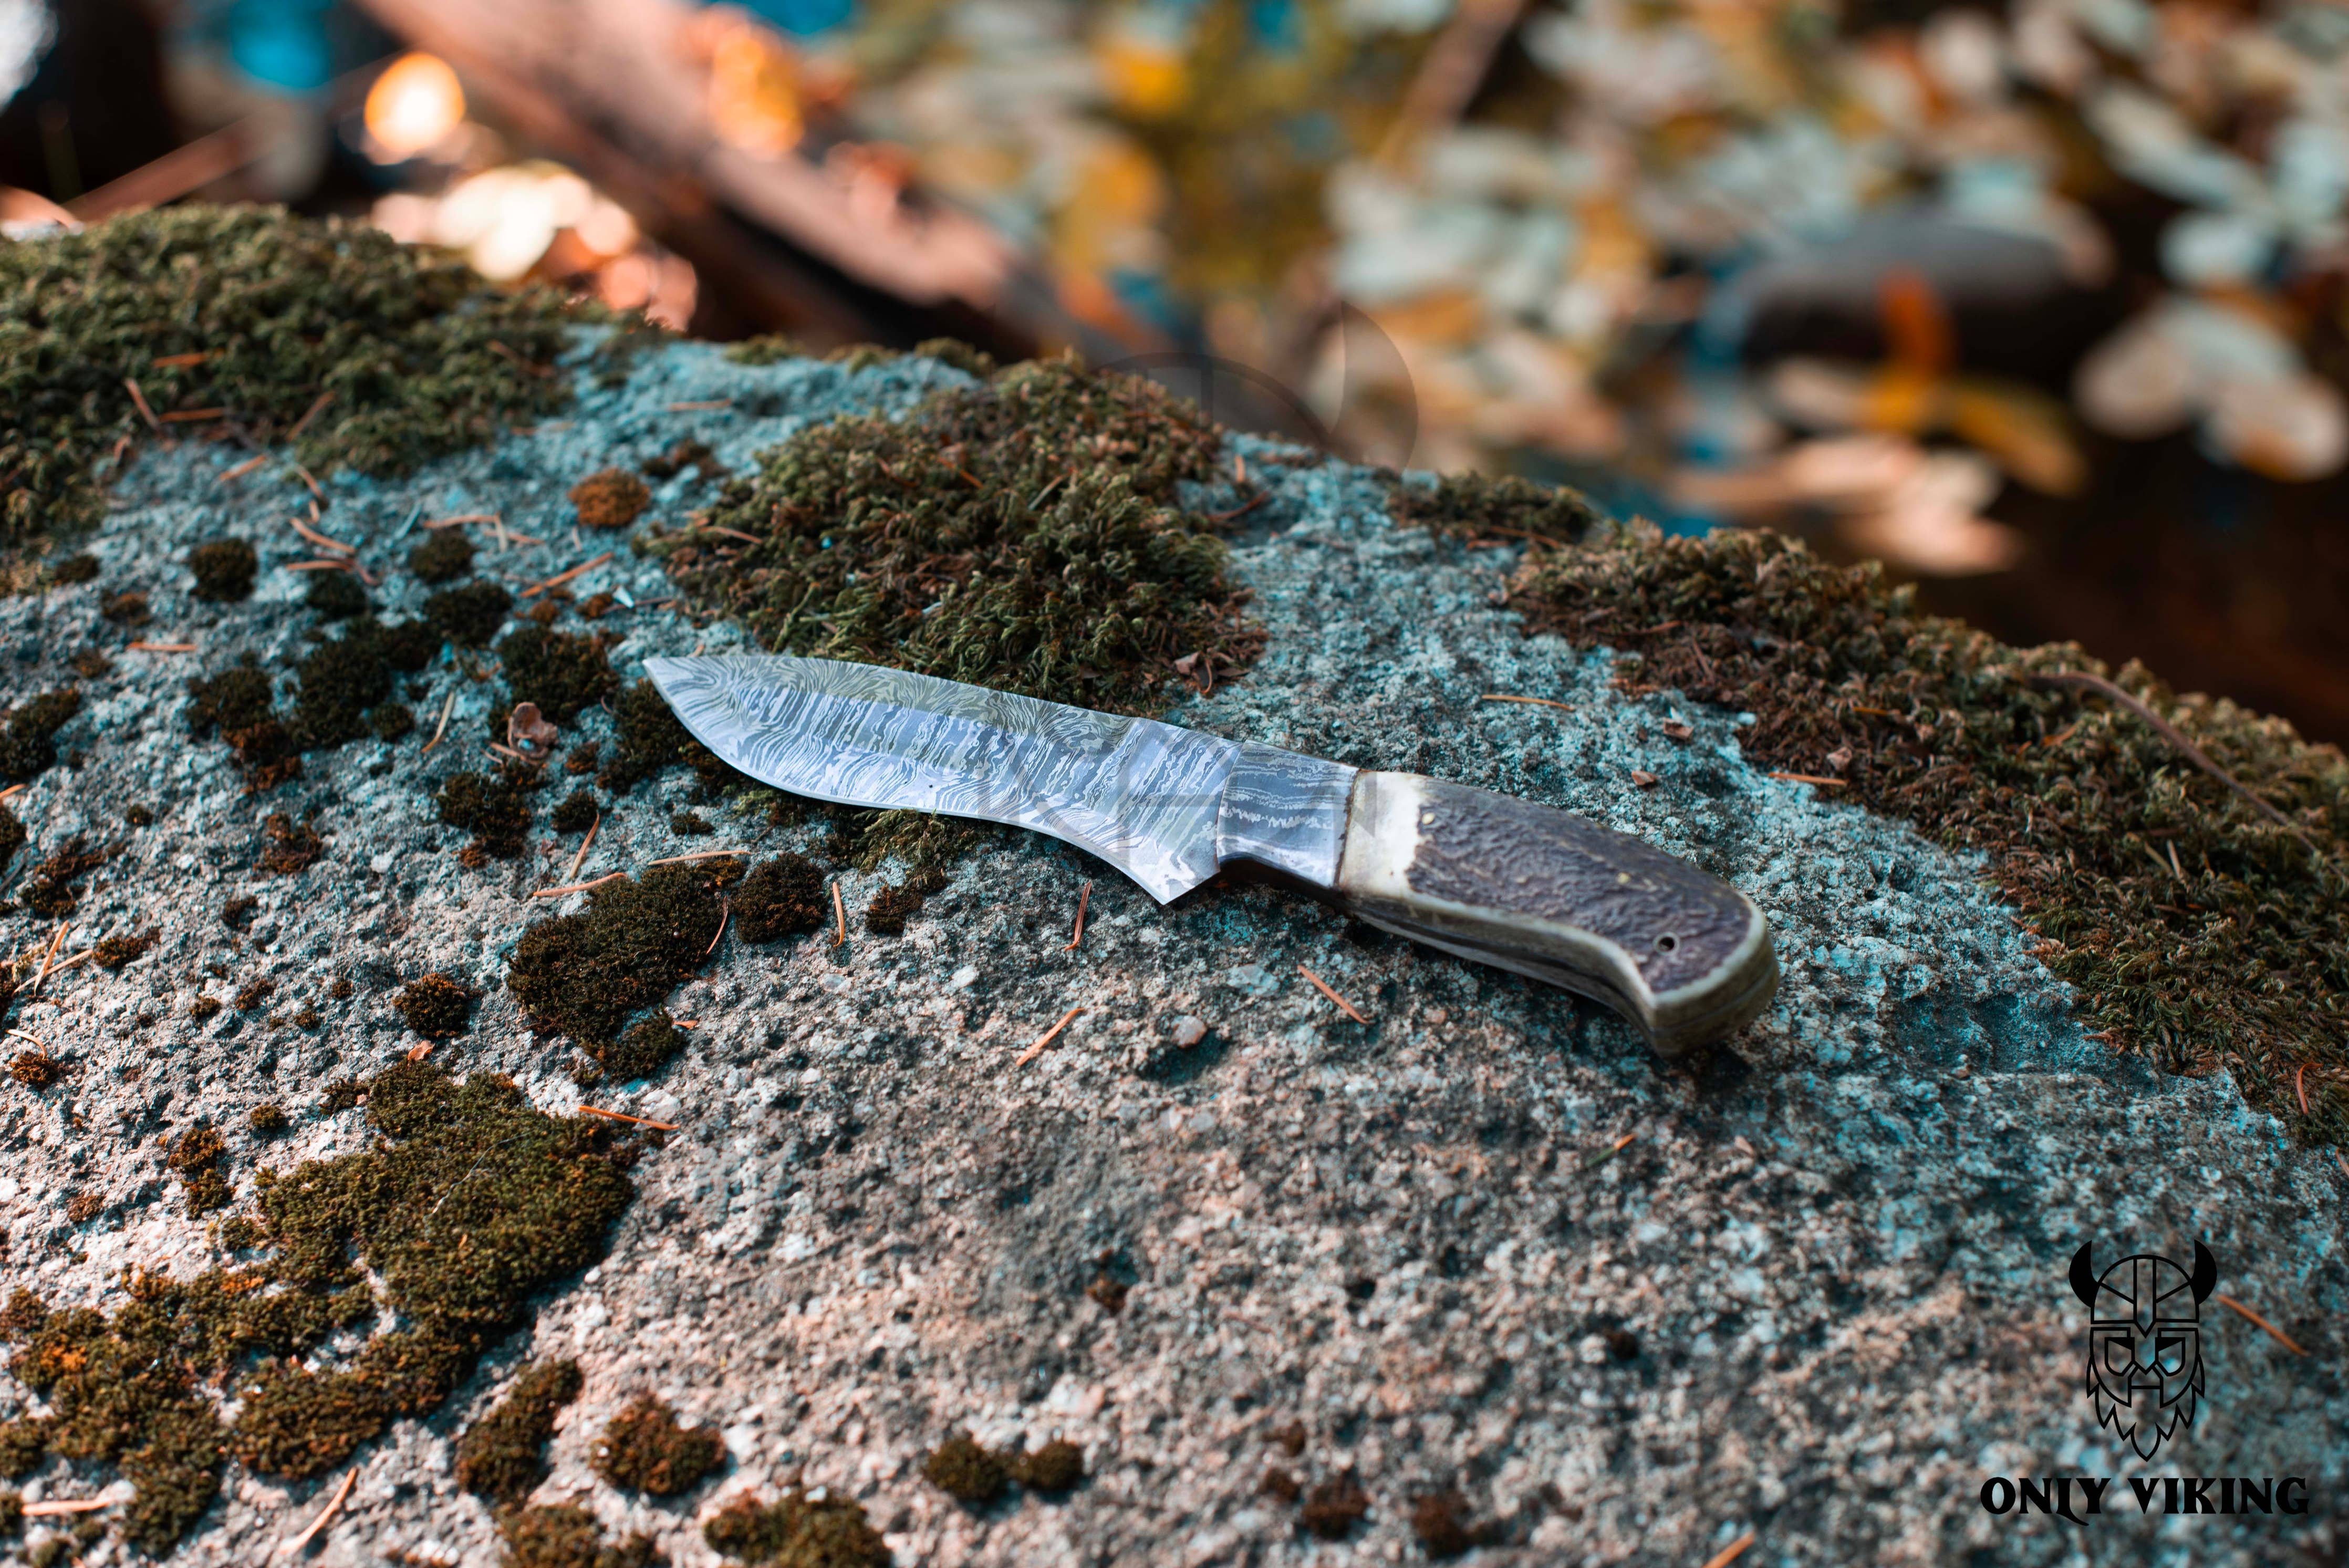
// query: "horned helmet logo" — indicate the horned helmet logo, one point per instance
point(2145, 1341)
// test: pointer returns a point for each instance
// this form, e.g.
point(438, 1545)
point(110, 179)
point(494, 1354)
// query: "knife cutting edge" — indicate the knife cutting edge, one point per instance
point(1527, 888)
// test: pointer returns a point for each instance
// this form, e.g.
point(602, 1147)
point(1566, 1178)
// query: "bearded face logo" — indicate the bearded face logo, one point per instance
point(2145, 1341)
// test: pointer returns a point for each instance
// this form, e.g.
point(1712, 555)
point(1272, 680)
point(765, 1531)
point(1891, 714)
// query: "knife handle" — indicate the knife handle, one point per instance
point(1682, 954)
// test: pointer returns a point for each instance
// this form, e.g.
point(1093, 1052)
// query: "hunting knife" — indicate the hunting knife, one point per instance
point(1527, 887)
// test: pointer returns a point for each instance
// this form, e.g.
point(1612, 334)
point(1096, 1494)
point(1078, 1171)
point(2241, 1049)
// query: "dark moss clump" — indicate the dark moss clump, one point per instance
point(684, 453)
point(473, 1202)
point(196, 1155)
point(127, 609)
point(1333, 1508)
point(12, 834)
point(442, 558)
point(28, 735)
point(468, 616)
point(437, 1007)
point(341, 679)
point(783, 897)
point(24, 1443)
point(565, 1536)
point(1027, 535)
point(390, 720)
point(645, 1449)
point(648, 1045)
point(612, 499)
point(562, 673)
point(239, 703)
point(689, 825)
point(116, 951)
point(650, 739)
point(767, 348)
point(50, 890)
point(494, 810)
point(223, 570)
point(268, 1120)
point(292, 847)
point(576, 813)
point(504, 1455)
point(238, 912)
point(1058, 1465)
point(966, 1470)
point(204, 1007)
point(2198, 930)
point(1441, 1522)
point(250, 997)
point(37, 1069)
point(241, 1233)
point(797, 1531)
point(585, 975)
point(1474, 506)
point(422, 358)
point(891, 908)
point(139, 816)
point(336, 595)
point(75, 569)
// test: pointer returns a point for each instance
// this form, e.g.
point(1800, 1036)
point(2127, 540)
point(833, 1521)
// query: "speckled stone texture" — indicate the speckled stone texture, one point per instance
point(1811, 1285)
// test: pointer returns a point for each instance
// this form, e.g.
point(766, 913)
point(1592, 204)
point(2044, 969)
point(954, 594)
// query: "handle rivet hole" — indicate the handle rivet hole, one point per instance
point(1667, 942)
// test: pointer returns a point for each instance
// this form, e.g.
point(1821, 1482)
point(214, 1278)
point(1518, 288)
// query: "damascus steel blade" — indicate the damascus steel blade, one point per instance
point(1143, 796)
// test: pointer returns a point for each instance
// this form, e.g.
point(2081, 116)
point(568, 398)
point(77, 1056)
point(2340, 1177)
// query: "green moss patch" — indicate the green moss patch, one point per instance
point(568, 1537)
point(504, 1455)
point(585, 975)
point(1485, 506)
point(891, 908)
point(196, 1155)
point(649, 738)
point(1026, 535)
point(2197, 931)
point(28, 733)
point(262, 313)
point(645, 1449)
point(643, 1049)
point(798, 1529)
point(343, 690)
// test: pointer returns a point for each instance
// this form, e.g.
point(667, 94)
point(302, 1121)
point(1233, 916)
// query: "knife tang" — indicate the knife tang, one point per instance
point(1531, 888)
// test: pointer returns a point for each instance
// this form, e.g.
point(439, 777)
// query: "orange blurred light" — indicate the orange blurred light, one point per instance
point(412, 106)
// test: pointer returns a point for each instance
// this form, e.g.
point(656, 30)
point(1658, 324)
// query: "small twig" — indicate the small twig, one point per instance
point(242, 469)
point(505, 750)
point(442, 727)
point(840, 913)
point(320, 539)
point(2273, 1331)
point(462, 519)
point(1703, 662)
point(1544, 702)
point(731, 533)
point(2300, 1088)
point(334, 1505)
point(1731, 1552)
point(578, 887)
point(1050, 1035)
point(1823, 782)
point(13, 791)
point(26, 1034)
point(193, 416)
point(49, 958)
point(560, 578)
point(2080, 679)
point(315, 410)
point(701, 407)
point(1084, 895)
point(63, 1505)
point(1609, 1152)
point(143, 646)
point(704, 855)
point(725, 913)
point(313, 483)
point(1323, 987)
point(585, 844)
point(624, 1117)
point(1261, 497)
point(140, 398)
point(180, 361)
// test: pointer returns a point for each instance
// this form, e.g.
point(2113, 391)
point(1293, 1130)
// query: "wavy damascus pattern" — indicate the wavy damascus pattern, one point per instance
point(1141, 794)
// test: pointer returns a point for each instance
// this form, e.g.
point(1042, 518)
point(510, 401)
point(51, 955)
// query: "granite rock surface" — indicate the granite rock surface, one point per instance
point(1811, 1285)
